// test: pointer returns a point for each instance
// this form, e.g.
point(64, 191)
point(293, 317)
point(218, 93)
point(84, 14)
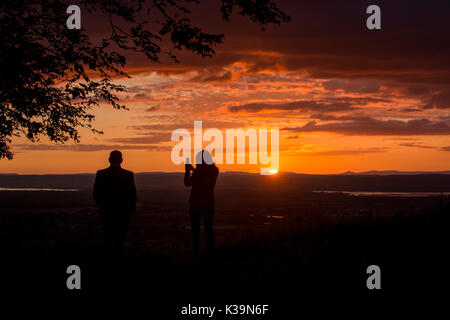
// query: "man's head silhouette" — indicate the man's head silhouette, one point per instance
point(115, 158)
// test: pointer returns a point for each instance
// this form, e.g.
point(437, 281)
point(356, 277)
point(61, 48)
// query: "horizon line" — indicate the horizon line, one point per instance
point(349, 172)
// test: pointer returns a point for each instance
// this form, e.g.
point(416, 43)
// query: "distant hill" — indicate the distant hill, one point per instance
point(391, 172)
point(380, 181)
point(347, 173)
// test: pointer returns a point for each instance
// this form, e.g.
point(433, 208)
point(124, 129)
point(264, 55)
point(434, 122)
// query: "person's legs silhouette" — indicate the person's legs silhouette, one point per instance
point(195, 225)
point(108, 237)
point(208, 217)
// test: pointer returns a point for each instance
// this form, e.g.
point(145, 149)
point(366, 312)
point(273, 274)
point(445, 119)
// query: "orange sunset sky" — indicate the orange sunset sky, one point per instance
point(343, 97)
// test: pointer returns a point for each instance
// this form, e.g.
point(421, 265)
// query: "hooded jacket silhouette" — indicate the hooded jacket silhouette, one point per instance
point(201, 200)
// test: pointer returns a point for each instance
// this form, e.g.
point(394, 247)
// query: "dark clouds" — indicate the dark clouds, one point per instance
point(423, 146)
point(213, 76)
point(89, 147)
point(352, 86)
point(373, 127)
point(328, 105)
point(328, 39)
point(144, 139)
point(404, 66)
point(298, 105)
point(153, 108)
point(416, 145)
point(344, 152)
point(188, 124)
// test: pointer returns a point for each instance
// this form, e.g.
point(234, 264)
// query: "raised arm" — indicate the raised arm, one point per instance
point(187, 178)
point(187, 175)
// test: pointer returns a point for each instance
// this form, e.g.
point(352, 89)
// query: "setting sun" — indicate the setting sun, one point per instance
point(273, 171)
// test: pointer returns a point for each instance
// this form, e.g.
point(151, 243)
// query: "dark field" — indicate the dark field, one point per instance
point(277, 240)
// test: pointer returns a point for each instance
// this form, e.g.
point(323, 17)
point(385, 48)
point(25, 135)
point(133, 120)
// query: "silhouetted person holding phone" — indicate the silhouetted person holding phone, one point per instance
point(202, 181)
point(115, 196)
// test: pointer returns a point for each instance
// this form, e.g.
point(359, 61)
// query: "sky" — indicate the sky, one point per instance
point(343, 97)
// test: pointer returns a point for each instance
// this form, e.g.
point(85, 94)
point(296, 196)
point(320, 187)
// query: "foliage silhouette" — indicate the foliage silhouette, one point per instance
point(51, 77)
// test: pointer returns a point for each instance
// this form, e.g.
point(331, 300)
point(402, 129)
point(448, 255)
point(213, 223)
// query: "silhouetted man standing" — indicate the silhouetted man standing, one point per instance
point(115, 196)
point(202, 181)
